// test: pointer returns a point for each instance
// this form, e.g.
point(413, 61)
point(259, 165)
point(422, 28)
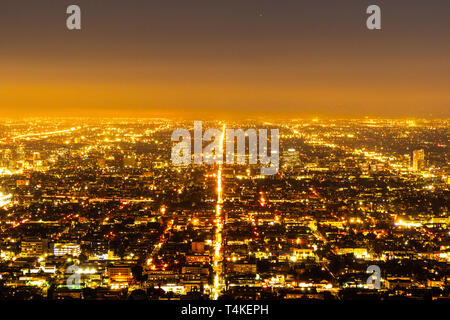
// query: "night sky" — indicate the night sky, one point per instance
point(255, 58)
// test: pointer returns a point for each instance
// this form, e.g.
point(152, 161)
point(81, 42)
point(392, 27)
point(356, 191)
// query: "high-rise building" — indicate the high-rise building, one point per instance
point(406, 160)
point(291, 158)
point(419, 160)
point(20, 153)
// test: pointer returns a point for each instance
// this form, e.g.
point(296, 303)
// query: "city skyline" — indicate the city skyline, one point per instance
point(98, 209)
point(217, 151)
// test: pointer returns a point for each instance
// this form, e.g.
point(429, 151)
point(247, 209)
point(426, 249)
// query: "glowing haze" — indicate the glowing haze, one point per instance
point(225, 58)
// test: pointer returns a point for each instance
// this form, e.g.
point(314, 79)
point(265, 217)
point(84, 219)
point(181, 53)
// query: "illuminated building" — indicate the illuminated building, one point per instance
point(61, 249)
point(291, 158)
point(33, 247)
point(418, 160)
point(119, 273)
point(198, 247)
point(193, 259)
point(244, 268)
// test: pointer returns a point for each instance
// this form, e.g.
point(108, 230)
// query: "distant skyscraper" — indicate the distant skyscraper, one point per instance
point(419, 160)
point(406, 160)
point(291, 158)
point(20, 153)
